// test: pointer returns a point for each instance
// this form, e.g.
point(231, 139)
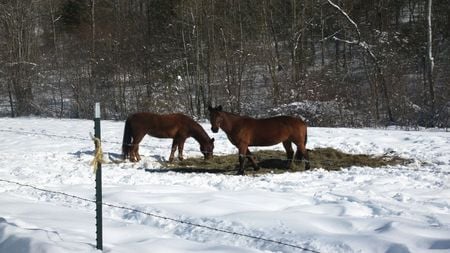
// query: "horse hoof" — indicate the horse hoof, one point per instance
point(240, 173)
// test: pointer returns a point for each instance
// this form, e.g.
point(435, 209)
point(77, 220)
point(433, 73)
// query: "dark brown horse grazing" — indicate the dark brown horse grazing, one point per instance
point(244, 131)
point(177, 126)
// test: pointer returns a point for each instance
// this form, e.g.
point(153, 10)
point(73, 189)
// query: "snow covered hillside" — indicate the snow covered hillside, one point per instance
point(404, 208)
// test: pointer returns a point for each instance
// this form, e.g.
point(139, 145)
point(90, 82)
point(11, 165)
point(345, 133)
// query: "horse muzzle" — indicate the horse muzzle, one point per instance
point(214, 129)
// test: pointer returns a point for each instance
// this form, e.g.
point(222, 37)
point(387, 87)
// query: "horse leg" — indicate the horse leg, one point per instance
point(289, 153)
point(138, 156)
point(134, 154)
point(252, 160)
point(302, 154)
point(173, 149)
point(130, 152)
point(242, 155)
point(180, 149)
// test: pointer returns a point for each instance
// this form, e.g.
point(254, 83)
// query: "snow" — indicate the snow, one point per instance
point(404, 208)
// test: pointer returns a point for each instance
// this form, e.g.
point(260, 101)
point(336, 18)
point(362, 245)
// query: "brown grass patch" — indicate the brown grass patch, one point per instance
point(272, 161)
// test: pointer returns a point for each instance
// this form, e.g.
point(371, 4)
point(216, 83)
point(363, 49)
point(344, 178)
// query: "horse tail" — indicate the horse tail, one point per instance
point(126, 142)
point(305, 155)
point(306, 135)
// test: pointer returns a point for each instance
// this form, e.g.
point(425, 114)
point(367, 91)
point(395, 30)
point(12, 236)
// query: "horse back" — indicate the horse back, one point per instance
point(161, 125)
point(271, 131)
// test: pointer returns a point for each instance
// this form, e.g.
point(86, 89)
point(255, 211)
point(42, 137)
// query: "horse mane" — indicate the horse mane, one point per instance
point(237, 115)
point(198, 133)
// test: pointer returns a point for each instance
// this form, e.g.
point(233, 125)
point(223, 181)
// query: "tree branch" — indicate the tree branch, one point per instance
point(349, 20)
point(11, 64)
point(366, 47)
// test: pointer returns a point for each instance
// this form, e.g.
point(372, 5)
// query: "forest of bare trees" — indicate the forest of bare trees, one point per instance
point(364, 63)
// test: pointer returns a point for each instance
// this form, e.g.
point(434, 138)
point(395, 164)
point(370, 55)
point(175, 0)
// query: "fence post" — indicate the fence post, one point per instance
point(98, 183)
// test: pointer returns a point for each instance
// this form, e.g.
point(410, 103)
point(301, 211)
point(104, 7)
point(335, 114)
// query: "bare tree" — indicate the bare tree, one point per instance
point(271, 50)
point(365, 46)
point(430, 59)
point(57, 57)
point(57, 63)
point(18, 20)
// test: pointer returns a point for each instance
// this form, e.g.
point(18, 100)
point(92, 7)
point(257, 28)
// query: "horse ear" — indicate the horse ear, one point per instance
point(210, 108)
point(219, 108)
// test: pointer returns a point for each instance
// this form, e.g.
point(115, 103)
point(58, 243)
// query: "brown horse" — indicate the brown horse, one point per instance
point(244, 131)
point(177, 126)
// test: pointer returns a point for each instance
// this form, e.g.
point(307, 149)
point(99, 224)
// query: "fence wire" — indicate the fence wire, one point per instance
point(188, 223)
point(148, 146)
point(148, 213)
point(90, 139)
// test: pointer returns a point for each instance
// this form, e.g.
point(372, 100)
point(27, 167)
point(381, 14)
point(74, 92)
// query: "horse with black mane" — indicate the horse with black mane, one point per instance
point(177, 126)
point(243, 131)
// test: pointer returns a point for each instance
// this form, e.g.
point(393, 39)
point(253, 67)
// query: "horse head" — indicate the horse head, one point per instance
point(207, 148)
point(215, 118)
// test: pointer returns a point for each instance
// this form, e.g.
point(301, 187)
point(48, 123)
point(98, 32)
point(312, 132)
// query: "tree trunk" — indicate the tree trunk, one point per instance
point(430, 62)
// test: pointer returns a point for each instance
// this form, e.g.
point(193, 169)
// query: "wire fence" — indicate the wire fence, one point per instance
point(148, 146)
point(184, 222)
point(85, 139)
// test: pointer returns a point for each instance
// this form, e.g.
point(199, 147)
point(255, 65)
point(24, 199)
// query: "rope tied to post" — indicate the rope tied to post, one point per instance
point(98, 154)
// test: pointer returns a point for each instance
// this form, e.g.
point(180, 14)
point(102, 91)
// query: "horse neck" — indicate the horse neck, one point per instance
point(228, 122)
point(199, 134)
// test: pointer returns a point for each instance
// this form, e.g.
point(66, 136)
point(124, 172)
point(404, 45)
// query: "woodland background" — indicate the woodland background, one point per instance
point(254, 57)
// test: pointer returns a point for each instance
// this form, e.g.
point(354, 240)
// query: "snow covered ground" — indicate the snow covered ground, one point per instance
point(391, 209)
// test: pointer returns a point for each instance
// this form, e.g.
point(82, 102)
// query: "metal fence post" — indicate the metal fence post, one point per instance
point(98, 183)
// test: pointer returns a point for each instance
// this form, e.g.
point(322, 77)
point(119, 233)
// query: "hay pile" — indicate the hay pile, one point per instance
point(275, 162)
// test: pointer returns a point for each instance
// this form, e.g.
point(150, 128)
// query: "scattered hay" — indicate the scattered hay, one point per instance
point(272, 161)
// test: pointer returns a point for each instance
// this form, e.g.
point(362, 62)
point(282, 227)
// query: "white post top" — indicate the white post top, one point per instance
point(97, 110)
